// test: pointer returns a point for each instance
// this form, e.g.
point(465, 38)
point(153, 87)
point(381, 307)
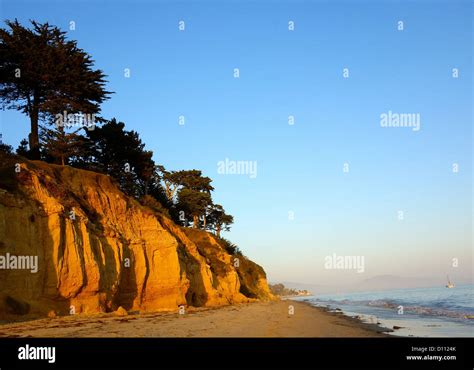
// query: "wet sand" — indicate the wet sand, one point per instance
point(262, 319)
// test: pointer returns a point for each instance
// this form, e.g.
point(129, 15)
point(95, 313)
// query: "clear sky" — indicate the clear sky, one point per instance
point(337, 120)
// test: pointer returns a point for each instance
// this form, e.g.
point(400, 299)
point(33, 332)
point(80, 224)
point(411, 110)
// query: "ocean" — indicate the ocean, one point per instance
point(420, 312)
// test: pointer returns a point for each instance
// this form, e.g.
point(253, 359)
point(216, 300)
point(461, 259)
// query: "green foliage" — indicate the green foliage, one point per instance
point(8, 177)
point(188, 192)
point(23, 149)
point(61, 145)
point(190, 179)
point(121, 154)
point(193, 180)
point(6, 149)
point(193, 203)
point(218, 220)
point(156, 190)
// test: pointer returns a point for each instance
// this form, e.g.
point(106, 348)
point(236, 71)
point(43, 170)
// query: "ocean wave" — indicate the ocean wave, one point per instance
point(439, 309)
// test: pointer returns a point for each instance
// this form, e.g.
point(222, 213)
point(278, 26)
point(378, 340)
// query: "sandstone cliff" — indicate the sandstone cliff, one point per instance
point(99, 250)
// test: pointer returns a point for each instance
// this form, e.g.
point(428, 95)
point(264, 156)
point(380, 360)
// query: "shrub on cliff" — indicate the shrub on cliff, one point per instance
point(155, 205)
point(230, 247)
point(5, 149)
point(8, 178)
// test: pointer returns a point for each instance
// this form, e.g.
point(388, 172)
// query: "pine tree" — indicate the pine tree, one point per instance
point(42, 75)
point(23, 148)
point(218, 220)
point(194, 203)
point(121, 154)
point(61, 145)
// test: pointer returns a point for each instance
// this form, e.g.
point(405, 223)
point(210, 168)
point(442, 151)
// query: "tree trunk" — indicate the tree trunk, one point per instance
point(204, 223)
point(146, 187)
point(218, 230)
point(195, 221)
point(33, 137)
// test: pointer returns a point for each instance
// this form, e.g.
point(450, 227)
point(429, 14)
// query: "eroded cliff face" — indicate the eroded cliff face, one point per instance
point(98, 250)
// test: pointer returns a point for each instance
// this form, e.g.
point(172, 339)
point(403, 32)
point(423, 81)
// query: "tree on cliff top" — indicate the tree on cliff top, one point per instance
point(121, 154)
point(194, 203)
point(194, 195)
point(61, 145)
point(42, 74)
point(23, 148)
point(190, 179)
point(218, 220)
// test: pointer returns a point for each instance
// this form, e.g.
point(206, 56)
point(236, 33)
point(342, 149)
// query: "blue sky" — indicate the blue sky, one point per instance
point(337, 120)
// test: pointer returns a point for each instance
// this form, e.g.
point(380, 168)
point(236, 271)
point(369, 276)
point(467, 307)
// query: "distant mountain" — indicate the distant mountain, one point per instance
point(385, 282)
point(378, 282)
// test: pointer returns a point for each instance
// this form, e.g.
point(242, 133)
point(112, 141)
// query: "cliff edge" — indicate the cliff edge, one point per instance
point(97, 249)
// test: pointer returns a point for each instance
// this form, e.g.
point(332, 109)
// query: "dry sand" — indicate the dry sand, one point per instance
point(262, 319)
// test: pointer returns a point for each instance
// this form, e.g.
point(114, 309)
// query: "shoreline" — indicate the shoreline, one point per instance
point(357, 321)
point(247, 320)
point(422, 320)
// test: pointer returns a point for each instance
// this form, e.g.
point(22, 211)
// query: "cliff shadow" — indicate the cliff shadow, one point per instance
point(127, 289)
point(196, 294)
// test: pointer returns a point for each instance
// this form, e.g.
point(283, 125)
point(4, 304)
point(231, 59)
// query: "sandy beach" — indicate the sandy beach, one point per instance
point(262, 319)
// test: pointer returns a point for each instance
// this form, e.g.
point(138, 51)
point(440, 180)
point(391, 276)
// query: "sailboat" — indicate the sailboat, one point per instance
point(449, 285)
